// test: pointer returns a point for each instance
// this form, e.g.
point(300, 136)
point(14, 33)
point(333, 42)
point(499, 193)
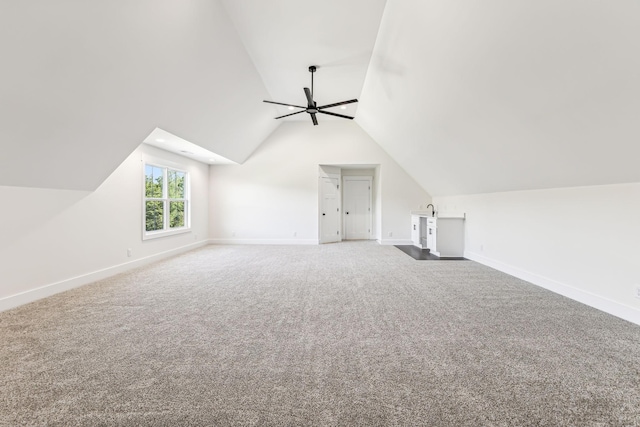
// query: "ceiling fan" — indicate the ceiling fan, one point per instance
point(312, 107)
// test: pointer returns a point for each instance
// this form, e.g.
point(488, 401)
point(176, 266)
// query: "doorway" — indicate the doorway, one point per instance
point(357, 218)
point(348, 188)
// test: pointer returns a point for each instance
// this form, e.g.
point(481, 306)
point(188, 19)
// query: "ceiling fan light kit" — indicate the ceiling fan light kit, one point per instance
point(312, 107)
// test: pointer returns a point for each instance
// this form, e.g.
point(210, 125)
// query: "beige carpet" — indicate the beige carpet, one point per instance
point(345, 334)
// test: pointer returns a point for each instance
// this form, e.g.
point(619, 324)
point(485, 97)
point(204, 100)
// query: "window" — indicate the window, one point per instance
point(166, 201)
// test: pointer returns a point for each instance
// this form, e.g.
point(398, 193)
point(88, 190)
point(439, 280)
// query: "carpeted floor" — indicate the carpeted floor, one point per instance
point(350, 334)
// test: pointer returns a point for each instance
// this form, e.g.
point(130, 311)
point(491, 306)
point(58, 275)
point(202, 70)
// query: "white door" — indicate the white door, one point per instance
point(357, 208)
point(329, 210)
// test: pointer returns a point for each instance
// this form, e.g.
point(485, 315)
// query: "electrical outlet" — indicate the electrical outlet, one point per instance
point(391, 234)
point(233, 234)
point(295, 234)
point(195, 237)
point(637, 291)
point(129, 252)
point(481, 248)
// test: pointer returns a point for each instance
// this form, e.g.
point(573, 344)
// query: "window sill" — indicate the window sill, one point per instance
point(158, 234)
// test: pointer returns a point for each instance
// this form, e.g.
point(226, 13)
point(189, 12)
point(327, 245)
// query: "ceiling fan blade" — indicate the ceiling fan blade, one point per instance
point(287, 115)
point(313, 118)
point(309, 98)
point(286, 105)
point(334, 114)
point(351, 101)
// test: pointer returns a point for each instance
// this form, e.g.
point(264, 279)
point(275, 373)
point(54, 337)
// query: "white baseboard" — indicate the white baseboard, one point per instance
point(26, 297)
point(395, 241)
point(593, 300)
point(263, 241)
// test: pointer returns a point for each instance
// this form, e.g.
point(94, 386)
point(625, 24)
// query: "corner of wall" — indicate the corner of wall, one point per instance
point(32, 295)
point(592, 300)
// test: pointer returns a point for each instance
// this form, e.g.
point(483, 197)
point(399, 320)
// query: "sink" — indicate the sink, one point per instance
point(455, 215)
point(421, 213)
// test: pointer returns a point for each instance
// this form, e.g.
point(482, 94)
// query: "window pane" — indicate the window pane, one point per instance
point(171, 183)
point(176, 214)
point(155, 215)
point(153, 181)
point(148, 180)
point(176, 184)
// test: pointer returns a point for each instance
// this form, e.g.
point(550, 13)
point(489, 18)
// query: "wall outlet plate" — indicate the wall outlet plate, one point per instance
point(637, 294)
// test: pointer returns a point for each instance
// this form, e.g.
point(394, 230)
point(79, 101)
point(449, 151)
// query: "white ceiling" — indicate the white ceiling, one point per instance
point(499, 95)
point(82, 84)
point(467, 96)
point(285, 37)
point(169, 142)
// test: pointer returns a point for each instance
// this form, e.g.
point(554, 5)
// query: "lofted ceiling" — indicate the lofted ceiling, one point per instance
point(82, 84)
point(467, 96)
point(285, 37)
point(499, 95)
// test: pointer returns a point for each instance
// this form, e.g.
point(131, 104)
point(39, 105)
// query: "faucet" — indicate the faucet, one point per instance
point(433, 209)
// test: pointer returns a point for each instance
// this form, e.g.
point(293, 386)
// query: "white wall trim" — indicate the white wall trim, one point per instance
point(395, 241)
point(593, 300)
point(32, 295)
point(263, 241)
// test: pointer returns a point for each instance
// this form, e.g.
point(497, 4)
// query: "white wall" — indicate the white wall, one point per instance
point(58, 239)
point(582, 242)
point(274, 194)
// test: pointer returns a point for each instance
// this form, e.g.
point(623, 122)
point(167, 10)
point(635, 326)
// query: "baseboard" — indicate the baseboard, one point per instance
point(395, 241)
point(32, 295)
point(593, 300)
point(263, 241)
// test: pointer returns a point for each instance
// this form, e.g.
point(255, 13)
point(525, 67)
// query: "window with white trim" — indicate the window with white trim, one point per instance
point(166, 201)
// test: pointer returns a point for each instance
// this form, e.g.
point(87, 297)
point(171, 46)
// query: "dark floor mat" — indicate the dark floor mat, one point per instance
point(424, 254)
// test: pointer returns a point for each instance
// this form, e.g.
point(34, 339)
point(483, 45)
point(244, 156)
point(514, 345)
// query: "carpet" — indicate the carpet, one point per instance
point(348, 334)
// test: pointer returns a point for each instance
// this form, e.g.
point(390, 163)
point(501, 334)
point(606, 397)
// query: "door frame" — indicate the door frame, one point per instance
point(358, 178)
point(320, 201)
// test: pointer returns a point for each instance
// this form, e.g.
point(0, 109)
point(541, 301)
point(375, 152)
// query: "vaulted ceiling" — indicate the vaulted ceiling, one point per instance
point(466, 96)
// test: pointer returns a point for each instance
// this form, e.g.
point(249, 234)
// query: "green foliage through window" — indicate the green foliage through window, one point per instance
point(176, 214)
point(155, 215)
point(176, 184)
point(165, 187)
point(154, 180)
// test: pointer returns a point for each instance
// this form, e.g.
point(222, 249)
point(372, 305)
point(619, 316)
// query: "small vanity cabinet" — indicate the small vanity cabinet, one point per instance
point(443, 236)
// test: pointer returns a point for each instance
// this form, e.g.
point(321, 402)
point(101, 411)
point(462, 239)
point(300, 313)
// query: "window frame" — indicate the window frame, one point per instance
point(166, 200)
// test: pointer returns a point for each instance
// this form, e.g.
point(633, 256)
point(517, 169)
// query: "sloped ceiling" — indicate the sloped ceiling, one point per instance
point(84, 82)
point(285, 37)
point(497, 95)
point(467, 96)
